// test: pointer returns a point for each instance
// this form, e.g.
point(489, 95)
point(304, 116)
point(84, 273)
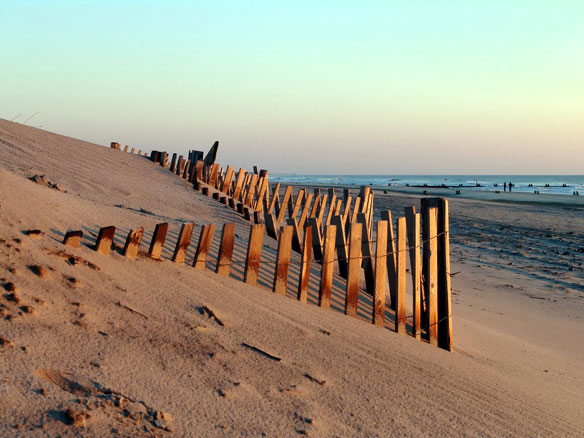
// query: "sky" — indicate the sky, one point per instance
point(326, 87)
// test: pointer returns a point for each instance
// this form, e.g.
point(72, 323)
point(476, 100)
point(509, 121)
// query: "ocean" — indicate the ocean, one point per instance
point(552, 184)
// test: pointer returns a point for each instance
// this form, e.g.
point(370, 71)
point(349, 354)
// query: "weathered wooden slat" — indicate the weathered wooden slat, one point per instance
point(132, 150)
point(185, 171)
point(105, 239)
point(444, 287)
point(332, 205)
point(180, 167)
point(317, 247)
point(158, 238)
point(133, 241)
point(228, 178)
point(199, 166)
point(413, 229)
point(114, 145)
point(270, 222)
point(305, 266)
point(296, 243)
point(400, 305)
point(262, 192)
point(225, 250)
point(341, 246)
point(338, 207)
point(254, 252)
point(283, 260)
point(353, 216)
point(275, 199)
point(315, 205)
point(305, 210)
point(239, 184)
point(73, 239)
point(352, 292)
point(126, 148)
point(321, 209)
point(391, 258)
point(367, 254)
point(182, 244)
point(432, 262)
point(347, 210)
point(297, 204)
point(173, 163)
point(213, 175)
point(204, 245)
point(380, 274)
point(139, 151)
point(285, 202)
point(251, 190)
point(326, 276)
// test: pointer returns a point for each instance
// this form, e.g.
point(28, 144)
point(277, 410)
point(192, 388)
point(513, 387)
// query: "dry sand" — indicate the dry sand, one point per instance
point(107, 346)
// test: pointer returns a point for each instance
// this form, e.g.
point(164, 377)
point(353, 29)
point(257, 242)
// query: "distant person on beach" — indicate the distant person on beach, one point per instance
point(510, 186)
point(505, 186)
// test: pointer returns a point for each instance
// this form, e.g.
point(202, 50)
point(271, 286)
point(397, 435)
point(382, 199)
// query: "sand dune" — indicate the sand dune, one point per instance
point(108, 346)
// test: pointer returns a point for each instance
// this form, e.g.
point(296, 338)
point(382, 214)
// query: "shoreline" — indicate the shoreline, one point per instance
point(571, 201)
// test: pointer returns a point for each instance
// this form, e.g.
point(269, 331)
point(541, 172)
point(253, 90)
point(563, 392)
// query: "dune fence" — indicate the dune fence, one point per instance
point(326, 270)
point(329, 243)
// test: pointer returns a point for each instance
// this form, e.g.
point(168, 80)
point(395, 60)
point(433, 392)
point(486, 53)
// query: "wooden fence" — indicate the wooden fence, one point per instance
point(327, 229)
point(420, 240)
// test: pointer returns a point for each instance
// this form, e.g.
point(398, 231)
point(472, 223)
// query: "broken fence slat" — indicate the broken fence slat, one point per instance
point(73, 239)
point(133, 242)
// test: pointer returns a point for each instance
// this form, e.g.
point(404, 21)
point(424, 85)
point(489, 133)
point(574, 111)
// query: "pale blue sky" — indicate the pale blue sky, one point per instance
point(309, 87)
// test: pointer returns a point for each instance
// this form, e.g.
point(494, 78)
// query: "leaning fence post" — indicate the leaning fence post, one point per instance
point(400, 296)
point(366, 252)
point(316, 239)
point(254, 252)
point(391, 258)
point(285, 201)
point(173, 163)
point(270, 224)
point(444, 291)
point(341, 246)
point(158, 238)
point(283, 260)
point(354, 269)
point(205, 239)
point(225, 250)
point(413, 228)
point(105, 239)
point(182, 244)
point(73, 239)
point(133, 241)
point(326, 275)
point(380, 274)
point(296, 243)
point(431, 262)
point(305, 267)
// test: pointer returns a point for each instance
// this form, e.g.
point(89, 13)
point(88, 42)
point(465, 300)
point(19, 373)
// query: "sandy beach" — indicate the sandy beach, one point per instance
point(98, 346)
